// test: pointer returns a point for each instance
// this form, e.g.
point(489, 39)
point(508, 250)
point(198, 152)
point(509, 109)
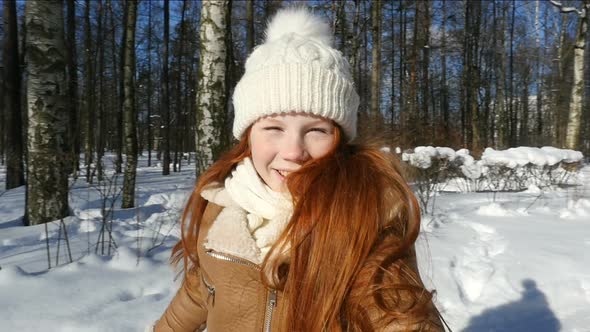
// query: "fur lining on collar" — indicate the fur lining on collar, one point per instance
point(229, 234)
point(229, 231)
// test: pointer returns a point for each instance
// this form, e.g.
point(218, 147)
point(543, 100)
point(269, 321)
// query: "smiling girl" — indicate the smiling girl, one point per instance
point(296, 228)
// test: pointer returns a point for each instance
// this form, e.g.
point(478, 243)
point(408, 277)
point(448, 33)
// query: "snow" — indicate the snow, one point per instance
point(505, 261)
point(513, 157)
point(422, 156)
point(523, 155)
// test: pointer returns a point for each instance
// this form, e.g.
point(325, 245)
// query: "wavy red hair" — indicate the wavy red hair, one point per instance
point(354, 225)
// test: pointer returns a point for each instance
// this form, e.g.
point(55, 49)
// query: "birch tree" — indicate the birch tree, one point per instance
point(11, 99)
point(47, 189)
point(572, 137)
point(130, 116)
point(211, 97)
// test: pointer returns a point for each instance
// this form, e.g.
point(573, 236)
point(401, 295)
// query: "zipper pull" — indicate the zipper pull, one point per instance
point(273, 297)
point(210, 290)
point(211, 295)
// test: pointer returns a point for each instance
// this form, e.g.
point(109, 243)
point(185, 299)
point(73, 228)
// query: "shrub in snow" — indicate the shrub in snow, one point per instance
point(497, 170)
point(430, 168)
point(524, 166)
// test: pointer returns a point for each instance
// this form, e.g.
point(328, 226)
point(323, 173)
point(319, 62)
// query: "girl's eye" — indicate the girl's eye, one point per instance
point(272, 128)
point(319, 130)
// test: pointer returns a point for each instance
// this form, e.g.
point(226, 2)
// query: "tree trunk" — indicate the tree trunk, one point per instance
point(72, 71)
point(475, 84)
point(524, 118)
point(149, 86)
point(572, 138)
point(374, 118)
point(559, 111)
point(403, 111)
point(412, 101)
point(11, 100)
point(423, 44)
point(470, 85)
point(231, 78)
point(89, 88)
point(2, 122)
point(342, 28)
point(121, 108)
point(166, 91)
point(392, 99)
point(211, 98)
point(128, 195)
point(500, 102)
point(364, 88)
point(101, 93)
point(47, 190)
point(178, 132)
point(538, 130)
point(511, 109)
point(354, 56)
point(444, 85)
point(249, 26)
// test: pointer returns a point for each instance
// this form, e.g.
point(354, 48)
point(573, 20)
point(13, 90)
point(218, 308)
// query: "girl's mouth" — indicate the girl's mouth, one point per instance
point(282, 173)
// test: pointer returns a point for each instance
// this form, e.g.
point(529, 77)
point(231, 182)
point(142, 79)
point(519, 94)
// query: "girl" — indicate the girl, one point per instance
point(295, 228)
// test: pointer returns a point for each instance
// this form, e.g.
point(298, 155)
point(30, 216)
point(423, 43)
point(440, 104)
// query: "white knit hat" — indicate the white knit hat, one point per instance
point(296, 70)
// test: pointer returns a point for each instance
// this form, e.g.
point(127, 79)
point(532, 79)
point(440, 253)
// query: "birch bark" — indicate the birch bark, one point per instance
point(572, 136)
point(211, 97)
point(47, 189)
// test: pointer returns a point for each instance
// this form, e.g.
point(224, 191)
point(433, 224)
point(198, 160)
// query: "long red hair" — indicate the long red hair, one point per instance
point(354, 222)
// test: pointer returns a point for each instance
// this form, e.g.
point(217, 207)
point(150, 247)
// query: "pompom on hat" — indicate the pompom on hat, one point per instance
point(296, 70)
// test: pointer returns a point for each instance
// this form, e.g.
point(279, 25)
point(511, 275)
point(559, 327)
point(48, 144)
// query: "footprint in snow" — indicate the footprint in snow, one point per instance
point(474, 268)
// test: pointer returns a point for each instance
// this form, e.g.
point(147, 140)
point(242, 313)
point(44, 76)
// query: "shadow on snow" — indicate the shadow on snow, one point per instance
point(529, 313)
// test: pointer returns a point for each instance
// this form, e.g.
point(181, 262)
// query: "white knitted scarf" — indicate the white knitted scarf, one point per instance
point(253, 218)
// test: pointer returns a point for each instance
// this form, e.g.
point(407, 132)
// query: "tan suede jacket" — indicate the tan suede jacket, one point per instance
point(227, 294)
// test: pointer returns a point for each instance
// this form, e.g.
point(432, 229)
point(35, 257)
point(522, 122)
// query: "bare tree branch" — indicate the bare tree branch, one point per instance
point(563, 9)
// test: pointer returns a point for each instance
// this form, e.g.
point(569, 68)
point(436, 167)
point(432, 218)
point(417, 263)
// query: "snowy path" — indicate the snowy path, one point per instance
point(518, 263)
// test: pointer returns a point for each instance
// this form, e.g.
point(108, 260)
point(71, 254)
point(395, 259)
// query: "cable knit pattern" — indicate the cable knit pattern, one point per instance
point(253, 217)
point(296, 70)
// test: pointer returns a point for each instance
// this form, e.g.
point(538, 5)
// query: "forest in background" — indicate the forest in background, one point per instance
point(140, 77)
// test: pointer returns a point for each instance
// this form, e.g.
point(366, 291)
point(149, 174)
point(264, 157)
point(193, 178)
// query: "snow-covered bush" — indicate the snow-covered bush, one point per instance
point(518, 168)
point(433, 168)
point(430, 168)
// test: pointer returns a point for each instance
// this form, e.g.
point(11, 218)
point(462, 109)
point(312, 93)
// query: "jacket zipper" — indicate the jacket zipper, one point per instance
point(272, 296)
point(231, 258)
point(270, 306)
point(210, 290)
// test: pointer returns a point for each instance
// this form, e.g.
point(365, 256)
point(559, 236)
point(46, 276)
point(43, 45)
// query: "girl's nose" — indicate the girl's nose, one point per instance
point(294, 150)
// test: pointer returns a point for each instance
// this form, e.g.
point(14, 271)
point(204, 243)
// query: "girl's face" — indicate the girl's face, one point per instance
point(281, 144)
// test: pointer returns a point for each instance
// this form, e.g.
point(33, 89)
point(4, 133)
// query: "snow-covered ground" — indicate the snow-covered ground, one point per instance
point(503, 262)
